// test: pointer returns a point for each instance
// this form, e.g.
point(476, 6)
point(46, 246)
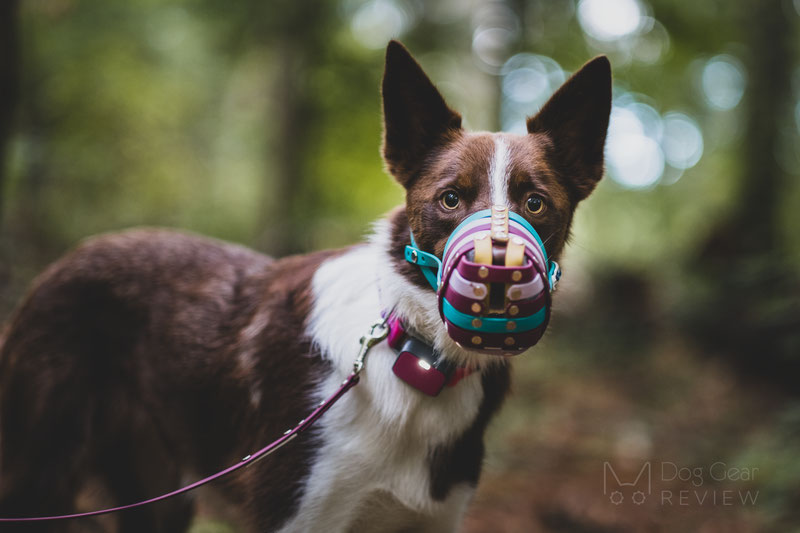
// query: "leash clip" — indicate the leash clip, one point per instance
point(377, 332)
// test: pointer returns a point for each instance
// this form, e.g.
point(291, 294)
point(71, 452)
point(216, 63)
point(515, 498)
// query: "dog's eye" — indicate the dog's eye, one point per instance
point(535, 204)
point(449, 200)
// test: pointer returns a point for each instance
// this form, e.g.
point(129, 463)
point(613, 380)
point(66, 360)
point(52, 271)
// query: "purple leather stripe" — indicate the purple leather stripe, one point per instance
point(526, 290)
point(464, 239)
point(483, 224)
point(448, 269)
point(396, 332)
point(467, 237)
point(496, 273)
point(524, 307)
point(468, 288)
point(454, 253)
point(530, 243)
point(461, 303)
point(495, 340)
point(528, 307)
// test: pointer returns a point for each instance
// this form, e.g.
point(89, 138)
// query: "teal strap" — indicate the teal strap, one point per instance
point(428, 263)
point(554, 275)
point(431, 266)
point(492, 325)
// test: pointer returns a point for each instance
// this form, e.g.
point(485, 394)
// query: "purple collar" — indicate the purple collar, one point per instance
point(418, 364)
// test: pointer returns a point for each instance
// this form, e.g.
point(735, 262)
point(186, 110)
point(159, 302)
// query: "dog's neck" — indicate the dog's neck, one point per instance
point(403, 286)
point(436, 443)
point(400, 236)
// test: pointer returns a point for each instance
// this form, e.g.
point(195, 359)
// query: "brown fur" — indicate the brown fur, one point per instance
point(163, 340)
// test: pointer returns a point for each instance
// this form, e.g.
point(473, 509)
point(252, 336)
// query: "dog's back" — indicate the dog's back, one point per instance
point(135, 347)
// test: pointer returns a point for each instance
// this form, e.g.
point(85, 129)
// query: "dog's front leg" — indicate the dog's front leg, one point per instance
point(333, 494)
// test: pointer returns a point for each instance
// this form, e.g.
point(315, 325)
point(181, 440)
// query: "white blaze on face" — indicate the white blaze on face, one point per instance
point(498, 173)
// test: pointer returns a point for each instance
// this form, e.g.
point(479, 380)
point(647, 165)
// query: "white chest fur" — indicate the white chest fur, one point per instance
point(375, 443)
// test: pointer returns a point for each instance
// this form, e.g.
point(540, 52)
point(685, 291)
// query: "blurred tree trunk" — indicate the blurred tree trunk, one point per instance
point(771, 44)
point(300, 38)
point(284, 228)
point(9, 83)
point(751, 312)
point(9, 92)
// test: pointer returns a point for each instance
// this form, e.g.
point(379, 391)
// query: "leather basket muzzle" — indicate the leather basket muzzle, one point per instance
point(494, 283)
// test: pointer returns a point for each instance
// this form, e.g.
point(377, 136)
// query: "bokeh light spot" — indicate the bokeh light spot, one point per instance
point(723, 81)
point(531, 79)
point(377, 21)
point(609, 20)
point(528, 81)
point(496, 27)
point(525, 84)
point(634, 159)
point(490, 45)
point(682, 142)
point(797, 116)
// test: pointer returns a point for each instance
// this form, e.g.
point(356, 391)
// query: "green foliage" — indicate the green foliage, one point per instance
point(260, 122)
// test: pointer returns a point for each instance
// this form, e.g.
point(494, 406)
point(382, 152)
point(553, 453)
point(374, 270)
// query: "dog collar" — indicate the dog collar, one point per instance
point(418, 364)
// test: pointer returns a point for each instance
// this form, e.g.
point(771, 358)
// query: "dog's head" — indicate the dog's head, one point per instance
point(449, 173)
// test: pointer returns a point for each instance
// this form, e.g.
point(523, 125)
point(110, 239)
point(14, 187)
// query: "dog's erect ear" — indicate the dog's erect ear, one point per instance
point(416, 118)
point(576, 120)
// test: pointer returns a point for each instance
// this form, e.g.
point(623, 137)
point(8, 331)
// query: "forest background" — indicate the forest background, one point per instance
point(675, 345)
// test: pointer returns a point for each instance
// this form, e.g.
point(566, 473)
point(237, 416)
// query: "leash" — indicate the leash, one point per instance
point(377, 332)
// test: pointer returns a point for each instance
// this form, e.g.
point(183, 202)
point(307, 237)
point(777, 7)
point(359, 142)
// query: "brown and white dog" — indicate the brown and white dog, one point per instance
point(147, 358)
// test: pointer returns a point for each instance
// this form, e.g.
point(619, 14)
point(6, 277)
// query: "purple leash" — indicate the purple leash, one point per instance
point(377, 333)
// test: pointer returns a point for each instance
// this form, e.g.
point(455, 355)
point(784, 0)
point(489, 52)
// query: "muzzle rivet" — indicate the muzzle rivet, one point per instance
point(513, 310)
point(483, 272)
point(515, 294)
point(478, 291)
point(476, 340)
point(516, 275)
point(476, 307)
point(414, 255)
point(476, 322)
point(509, 341)
point(511, 325)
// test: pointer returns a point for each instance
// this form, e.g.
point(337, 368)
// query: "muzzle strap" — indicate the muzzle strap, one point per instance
point(430, 265)
point(554, 275)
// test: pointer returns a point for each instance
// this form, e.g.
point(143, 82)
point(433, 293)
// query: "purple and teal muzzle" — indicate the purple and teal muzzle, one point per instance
point(493, 282)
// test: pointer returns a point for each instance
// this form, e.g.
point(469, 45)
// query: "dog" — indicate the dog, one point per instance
point(147, 358)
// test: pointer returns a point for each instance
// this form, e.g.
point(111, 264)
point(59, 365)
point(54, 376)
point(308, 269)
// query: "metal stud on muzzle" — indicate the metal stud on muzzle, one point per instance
point(493, 283)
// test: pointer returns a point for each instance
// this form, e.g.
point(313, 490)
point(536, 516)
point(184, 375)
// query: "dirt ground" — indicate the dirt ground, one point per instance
point(654, 448)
